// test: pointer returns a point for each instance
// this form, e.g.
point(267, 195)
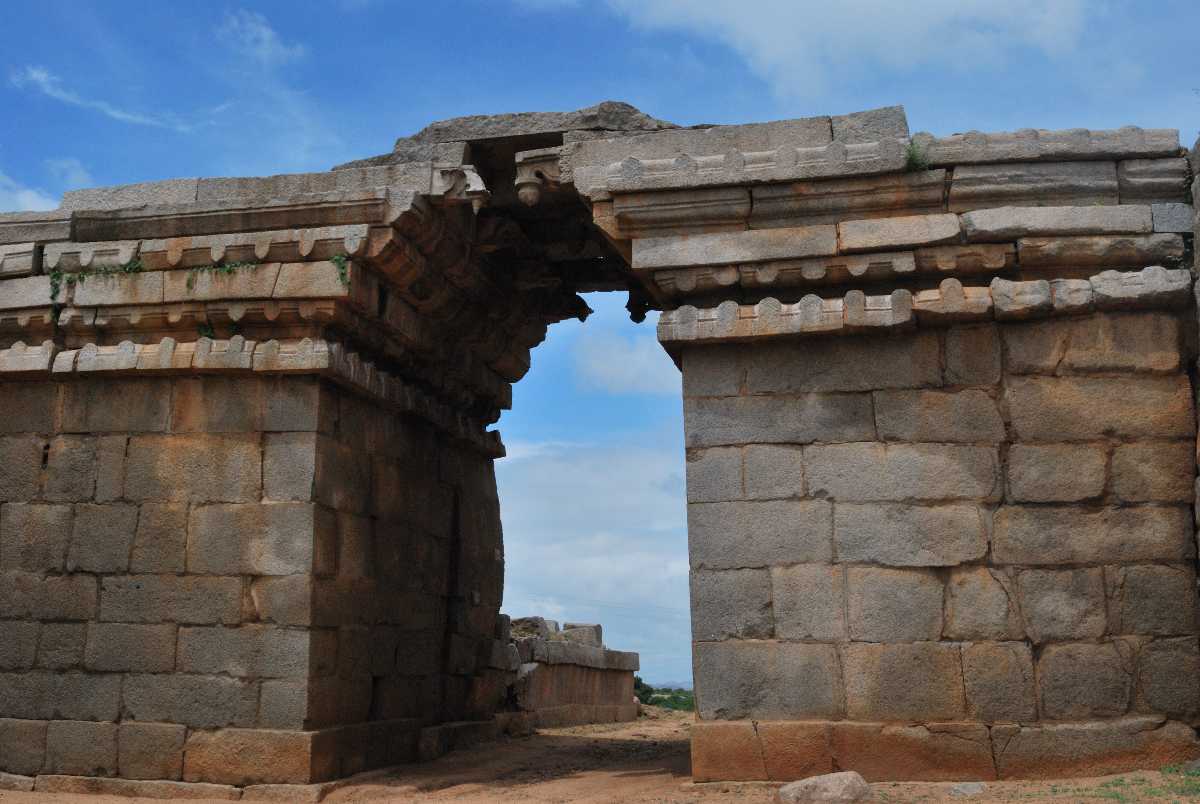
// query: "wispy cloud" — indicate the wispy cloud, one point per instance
point(39, 79)
point(611, 362)
point(16, 197)
point(70, 173)
point(250, 32)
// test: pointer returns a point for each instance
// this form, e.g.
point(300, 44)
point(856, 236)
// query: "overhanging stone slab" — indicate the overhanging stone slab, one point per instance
point(734, 247)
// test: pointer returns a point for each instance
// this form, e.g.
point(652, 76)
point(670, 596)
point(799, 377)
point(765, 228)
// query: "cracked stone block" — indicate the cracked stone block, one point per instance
point(1081, 681)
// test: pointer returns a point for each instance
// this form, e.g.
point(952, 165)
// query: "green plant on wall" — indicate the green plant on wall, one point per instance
point(915, 158)
point(58, 278)
point(342, 263)
point(222, 269)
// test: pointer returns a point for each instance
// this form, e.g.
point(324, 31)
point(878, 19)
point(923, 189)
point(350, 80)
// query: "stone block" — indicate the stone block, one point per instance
point(135, 788)
point(759, 534)
point(18, 644)
point(981, 605)
point(283, 600)
point(283, 704)
point(773, 472)
point(881, 234)
point(1174, 217)
point(289, 466)
point(150, 750)
point(767, 680)
point(794, 749)
point(1071, 296)
point(778, 419)
point(216, 405)
point(170, 598)
point(910, 536)
point(252, 539)
point(1154, 471)
point(1055, 750)
point(973, 355)
point(846, 199)
point(1152, 599)
point(1015, 301)
point(714, 475)
point(731, 604)
point(61, 645)
point(919, 681)
point(200, 702)
point(999, 680)
point(1010, 223)
point(110, 467)
point(1062, 604)
point(81, 748)
point(257, 756)
point(102, 538)
point(193, 468)
point(1154, 286)
point(342, 477)
point(251, 651)
point(34, 537)
point(20, 259)
point(44, 695)
point(713, 370)
point(70, 468)
point(297, 404)
point(120, 647)
point(1141, 343)
point(20, 467)
point(22, 746)
point(160, 543)
point(844, 364)
point(1056, 472)
point(1082, 184)
point(1060, 535)
point(16, 782)
point(116, 405)
point(891, 605)
point(30, 407)
point(936, 752)
point(25, 595)
point(27, 291)
point(735, 248)
point(726, 751)
point(866, 472)
point(1166, 678)
point(1100, 251)
point(1089, 408)
point(1085, 680)
point(960, 416)
point(807, 602)
point(1153, 179)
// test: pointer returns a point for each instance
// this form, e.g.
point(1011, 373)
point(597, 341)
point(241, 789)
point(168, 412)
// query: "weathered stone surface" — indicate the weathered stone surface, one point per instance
point(1087, 408)
point(727, 248)
point(841, 199)
point(1153, 179)
point(1154, 471)
point(252, 651)
point(794, 749)
point(845, 364)
point(807, 602)
point(70, 468)
point(749, 534)
point(159, 598)
point(256, 756)
point(34, 537)
point(150, 750)
point(1014, 301)
point(887, 605)
point(1063, 535)
point(101, 538)
point(973, 356)
point(1056, 472)
point(1043, 144)
point(1033, 183)
point(1081, 681)
point(773, 472)
point(1165, 670)
point(22, 746)
point(1174, 217)
point(252, 539)
point(20, 464)
point(731, 604)
point(1009, 223)
point(26, 227)
point(55, 597)
point(1122, 342)
point(29, 291)
point(1054, 750)
point(919, 681)
point(897, 233)
point(135, 788)
point(1152, 599)
point(898, 472)
point(130, 648)
point(726, 751)
point(18, 645)
point(981, 603)
point(196, 468)
point(934, 752)
point(999, 681)
point(910, 536)
point(843, 786)
point(771, 680)
point(201, 702)
point(160, 544)
point(81, 748)
point(1100, 251)
point(1154, 286)
point(967, 416)
point(1062, 604)
point(61, 645)
point(778, 419)
point(714, 475)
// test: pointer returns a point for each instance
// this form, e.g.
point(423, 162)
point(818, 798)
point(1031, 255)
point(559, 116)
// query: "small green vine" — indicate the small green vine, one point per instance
point(58, 278)
point(224, 269)
point(343, 268)
point(206, 330)
point(915, 159)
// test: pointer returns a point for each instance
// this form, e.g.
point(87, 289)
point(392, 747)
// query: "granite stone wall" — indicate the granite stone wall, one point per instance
point(956, 553)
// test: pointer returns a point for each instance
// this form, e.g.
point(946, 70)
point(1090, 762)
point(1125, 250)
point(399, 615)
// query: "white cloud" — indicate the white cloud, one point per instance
point(15, 197)
point(249, 32)
point(611, 362)
point(70, 173)
point(39, 79)
point(805, 48)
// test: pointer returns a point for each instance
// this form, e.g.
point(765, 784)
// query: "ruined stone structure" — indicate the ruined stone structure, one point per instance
point(938, 408)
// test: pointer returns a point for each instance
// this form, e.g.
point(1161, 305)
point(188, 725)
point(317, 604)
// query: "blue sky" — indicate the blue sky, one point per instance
point(108, 92)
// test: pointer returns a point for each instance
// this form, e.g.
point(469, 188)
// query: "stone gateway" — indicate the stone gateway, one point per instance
point(939, 414)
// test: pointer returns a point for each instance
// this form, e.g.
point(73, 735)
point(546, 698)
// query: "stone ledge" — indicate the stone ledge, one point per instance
point(1151, 288)
point(1032, 145)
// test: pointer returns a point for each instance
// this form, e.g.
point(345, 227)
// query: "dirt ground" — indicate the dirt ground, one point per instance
point(647, 761)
